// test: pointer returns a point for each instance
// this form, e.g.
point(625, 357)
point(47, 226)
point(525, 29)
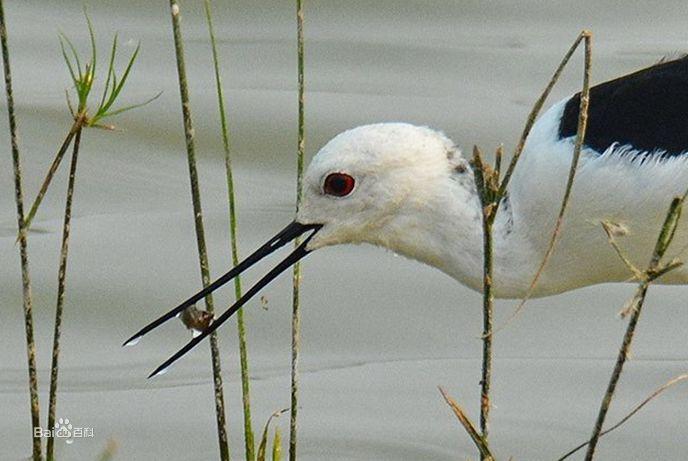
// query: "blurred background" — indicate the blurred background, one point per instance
point(379, 332)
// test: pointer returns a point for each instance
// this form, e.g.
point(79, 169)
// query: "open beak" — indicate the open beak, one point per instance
point(286, 235)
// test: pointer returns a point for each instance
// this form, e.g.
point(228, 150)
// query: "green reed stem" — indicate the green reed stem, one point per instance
point(243, 349)
point(296, 280)
point(23, 252)
point(61, 286)
point(487, 184)
point(51, 172)
point(82, 80)
point(630, 414)
point(200, 231)
point(654, 270)
point(488, 308)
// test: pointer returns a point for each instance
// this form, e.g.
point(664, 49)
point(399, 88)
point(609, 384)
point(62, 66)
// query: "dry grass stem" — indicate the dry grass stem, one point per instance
point(487, 184)
point(654, 270)
point(635, 410)
point(243, 348)
point(585, 36)
point(23, 251)
point(537, 107)
point(492, 189)
point(61, 288)
point(51, 172)
point(465, 421)
point(296, 280)
point(200, 231)
point(611, 238)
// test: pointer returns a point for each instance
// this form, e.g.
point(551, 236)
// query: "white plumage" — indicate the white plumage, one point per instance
point(412, 199)
point(409, 189)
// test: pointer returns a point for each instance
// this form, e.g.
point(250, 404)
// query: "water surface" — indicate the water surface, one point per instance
point(379, 332)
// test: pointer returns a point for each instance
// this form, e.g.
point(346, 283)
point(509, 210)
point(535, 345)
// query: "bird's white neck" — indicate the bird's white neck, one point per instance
point(442, 226)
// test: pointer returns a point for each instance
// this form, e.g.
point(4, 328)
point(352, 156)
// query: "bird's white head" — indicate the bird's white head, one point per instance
point(388, 184)
point(395, 185)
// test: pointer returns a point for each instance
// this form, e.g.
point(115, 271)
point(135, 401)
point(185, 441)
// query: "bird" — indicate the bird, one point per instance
point(411, 190)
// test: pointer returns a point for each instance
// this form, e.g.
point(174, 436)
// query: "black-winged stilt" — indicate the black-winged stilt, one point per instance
point(409, 189)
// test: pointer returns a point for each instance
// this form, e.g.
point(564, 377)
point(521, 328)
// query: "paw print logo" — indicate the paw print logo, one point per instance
point(63, 429)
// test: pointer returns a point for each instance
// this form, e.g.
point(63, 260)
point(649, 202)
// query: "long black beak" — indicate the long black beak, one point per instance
point(285, 236)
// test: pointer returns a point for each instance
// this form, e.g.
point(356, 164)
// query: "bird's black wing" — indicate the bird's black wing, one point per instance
point(647, 110)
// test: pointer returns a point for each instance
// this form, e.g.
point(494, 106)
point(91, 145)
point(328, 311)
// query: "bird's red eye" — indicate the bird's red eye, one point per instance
point(338, 184)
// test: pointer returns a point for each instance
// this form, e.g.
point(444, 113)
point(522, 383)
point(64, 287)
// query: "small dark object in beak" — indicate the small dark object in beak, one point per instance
point(286, 235)
point(196, 319)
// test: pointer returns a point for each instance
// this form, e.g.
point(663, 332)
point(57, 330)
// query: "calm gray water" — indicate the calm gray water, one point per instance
point(379, 332)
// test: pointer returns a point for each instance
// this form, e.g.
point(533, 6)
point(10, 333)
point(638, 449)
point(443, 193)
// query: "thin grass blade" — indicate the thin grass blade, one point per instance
point(111, 66)
point(277, 445)
point(125, 109)
point(68, 62)
point(249, 441)
point(92, 37)
point(74, 53)
point(119, 85)
point(262, 447)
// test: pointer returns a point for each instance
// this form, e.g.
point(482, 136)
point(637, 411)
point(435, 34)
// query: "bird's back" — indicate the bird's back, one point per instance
point(634, 161)
point(647, 110)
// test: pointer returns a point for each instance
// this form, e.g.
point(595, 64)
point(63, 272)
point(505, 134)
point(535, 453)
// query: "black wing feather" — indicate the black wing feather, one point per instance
point(647, 110)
